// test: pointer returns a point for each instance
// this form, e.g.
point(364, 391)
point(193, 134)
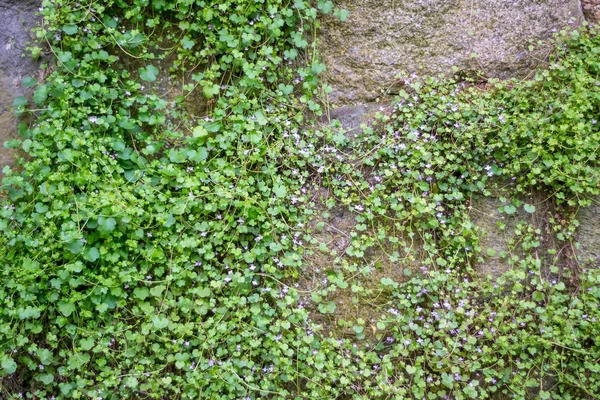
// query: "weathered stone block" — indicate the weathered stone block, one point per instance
point(17, 17)
point(381, 38)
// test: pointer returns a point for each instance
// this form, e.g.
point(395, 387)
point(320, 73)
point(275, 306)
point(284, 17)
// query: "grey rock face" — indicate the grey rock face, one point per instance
point(589, 233)
point(381, 38)
point(16, 17)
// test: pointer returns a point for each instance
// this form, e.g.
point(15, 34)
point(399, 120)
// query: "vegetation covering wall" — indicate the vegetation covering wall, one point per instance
point(157, 230)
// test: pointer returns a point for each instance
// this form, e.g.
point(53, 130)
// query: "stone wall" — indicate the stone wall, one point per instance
point(17, 16)
point(591, 10)
point(381, 38)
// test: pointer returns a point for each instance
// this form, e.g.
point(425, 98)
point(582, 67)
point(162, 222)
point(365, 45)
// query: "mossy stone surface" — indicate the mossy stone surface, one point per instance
point(382, 38)
point(17, 17)
point(589, 233)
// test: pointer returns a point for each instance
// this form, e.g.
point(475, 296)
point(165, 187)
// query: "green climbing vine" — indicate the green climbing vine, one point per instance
point(168, 207)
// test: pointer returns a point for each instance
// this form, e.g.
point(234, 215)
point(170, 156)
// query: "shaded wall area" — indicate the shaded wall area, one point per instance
point(17, 18)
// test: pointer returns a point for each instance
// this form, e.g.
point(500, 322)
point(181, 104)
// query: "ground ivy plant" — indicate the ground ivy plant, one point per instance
point(160, 226)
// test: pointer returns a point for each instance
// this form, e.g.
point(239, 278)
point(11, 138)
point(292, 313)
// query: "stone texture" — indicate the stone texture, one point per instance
point(589, 233)
point(485, 216)
point(591, 10)
point(381, 38)
point(17, 16)
point(352, 118)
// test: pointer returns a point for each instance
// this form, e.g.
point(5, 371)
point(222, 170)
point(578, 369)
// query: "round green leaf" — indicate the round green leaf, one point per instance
point(149, 73)
point(70, 29)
